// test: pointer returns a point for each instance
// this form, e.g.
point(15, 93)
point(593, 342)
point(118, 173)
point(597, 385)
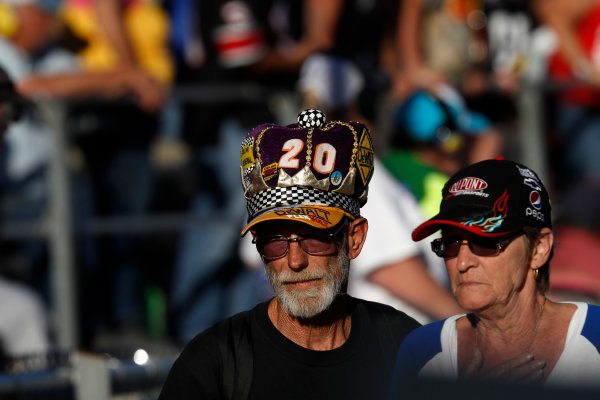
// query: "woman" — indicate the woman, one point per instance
point(497, 242)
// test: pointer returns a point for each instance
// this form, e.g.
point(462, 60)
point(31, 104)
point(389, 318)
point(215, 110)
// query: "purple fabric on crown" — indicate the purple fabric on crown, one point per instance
point(337, 134)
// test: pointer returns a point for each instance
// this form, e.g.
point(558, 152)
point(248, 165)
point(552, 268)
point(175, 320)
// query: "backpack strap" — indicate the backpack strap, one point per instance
point(235, 346)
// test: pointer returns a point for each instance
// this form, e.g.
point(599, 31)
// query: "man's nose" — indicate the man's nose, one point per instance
point(297, 258)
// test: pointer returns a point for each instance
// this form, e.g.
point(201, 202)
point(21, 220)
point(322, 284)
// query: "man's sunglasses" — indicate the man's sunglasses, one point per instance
point(315, 243)
point(449, 247)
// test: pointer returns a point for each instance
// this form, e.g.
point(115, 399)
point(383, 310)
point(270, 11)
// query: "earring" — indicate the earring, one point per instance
point(536, 274)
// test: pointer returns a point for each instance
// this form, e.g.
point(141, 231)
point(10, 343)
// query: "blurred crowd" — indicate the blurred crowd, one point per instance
point(159, 94)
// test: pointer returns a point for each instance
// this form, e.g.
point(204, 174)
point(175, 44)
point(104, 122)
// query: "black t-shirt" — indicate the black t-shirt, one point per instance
point(359, 369)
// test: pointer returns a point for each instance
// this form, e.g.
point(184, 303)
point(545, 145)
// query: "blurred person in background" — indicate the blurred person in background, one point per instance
point(342, 72)
point(391, 269)
point(432, 41)
point(575, 123)
point(434, 135)
point(444, 136)
point(115, 141)
point(120, 33)
point(41, 69)
point(482, 48)
point(24, 328)
point(216, 45)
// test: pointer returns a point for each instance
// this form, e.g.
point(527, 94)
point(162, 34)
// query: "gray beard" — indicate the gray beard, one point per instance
point(313, 301)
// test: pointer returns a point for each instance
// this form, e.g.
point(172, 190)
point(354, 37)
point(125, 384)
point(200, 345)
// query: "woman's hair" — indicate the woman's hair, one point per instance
point(543, 279)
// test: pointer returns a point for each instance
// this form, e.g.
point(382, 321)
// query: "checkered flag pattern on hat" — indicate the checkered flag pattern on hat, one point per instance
point(289, 196)
point(311, 118)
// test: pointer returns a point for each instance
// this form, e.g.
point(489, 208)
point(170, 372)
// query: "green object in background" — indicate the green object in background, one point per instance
point(425, 182)
point(156, 311)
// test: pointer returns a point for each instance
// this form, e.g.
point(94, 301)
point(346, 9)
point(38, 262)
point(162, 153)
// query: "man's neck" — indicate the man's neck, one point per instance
point(326, 331)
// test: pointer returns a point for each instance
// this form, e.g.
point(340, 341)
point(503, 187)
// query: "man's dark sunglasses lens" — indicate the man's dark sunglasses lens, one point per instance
point(313, 243)
point(277, 247)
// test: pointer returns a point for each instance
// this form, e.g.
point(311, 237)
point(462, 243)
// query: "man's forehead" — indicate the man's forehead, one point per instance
point(283, 227)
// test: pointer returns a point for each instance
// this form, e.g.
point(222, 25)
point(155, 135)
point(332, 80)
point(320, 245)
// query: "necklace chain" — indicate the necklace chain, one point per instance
point(535, 331)
point(537, 325)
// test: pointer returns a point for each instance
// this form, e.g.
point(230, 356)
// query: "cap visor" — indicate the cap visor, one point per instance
point(316, 216)
point(429, 227)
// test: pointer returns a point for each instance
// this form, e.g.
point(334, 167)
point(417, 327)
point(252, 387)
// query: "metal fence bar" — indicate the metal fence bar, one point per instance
point(59, 228)
point(91, 377)
point(531, 138)
point(86, 376)
point(34, 381)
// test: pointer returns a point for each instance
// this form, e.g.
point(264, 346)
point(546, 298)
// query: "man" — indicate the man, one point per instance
point(23, 316)
point(304, 185)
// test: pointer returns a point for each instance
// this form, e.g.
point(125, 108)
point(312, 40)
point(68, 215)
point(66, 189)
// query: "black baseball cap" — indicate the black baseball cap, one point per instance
point(491, 198)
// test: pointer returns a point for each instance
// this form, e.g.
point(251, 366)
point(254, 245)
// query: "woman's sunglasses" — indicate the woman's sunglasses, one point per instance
point(448, 247)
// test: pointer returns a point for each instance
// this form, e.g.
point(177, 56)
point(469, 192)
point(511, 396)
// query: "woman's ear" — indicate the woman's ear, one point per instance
point(357, 234)
point(542, 248)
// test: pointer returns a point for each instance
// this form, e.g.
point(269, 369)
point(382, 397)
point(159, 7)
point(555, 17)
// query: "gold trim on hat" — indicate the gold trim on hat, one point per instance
point(257, 181)
point(347, 186)
point(363, 197)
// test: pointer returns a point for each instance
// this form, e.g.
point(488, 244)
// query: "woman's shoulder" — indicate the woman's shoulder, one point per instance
point(584, 312)
point(425, 345)
point(591, 326)
point(428, 338)
point(584, 321)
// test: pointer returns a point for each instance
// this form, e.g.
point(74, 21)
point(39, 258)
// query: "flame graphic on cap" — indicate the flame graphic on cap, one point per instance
point(492, 223)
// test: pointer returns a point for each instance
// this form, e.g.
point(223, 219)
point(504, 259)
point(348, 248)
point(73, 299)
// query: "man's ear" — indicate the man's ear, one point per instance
point(357, 234)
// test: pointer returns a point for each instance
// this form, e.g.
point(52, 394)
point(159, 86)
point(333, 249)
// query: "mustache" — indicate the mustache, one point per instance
point(304, 275)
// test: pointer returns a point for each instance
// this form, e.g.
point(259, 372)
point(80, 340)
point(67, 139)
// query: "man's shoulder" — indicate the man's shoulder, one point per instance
point(383, 312)
point(378, 307)
point(208, 341)
point(235, 322)
point(218, 359)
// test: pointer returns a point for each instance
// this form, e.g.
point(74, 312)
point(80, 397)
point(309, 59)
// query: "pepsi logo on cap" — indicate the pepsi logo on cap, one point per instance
point(536, 200)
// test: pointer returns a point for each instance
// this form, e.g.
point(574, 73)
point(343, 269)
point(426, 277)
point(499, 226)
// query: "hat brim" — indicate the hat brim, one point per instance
point(440, 221)
point(320, 217)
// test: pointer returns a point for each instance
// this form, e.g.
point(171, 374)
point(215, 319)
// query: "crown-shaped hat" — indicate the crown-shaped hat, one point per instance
point(313, 171)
